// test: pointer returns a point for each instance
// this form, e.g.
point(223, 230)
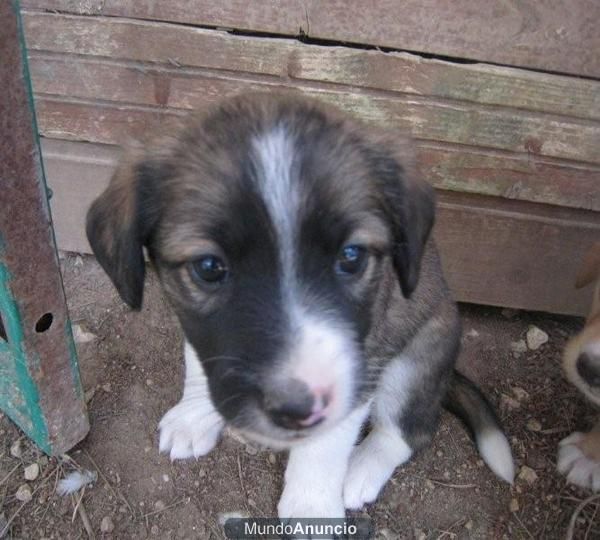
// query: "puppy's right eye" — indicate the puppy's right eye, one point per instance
point(208, 269)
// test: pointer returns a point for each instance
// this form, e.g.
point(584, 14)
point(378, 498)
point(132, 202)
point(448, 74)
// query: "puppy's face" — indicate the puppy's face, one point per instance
point(276, 226)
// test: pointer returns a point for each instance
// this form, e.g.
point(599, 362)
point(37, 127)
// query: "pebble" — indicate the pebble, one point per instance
point(508, 403)
point(385, 534)
point(519, 393)
point(80, 335)
point(165, 477)
point(272, 458)
point(32, 471)
point(514, 505)
point(23, 494)
point(472, 333)
point(106, 387)
point(429, 484)
point(518, 347)
point(107, 525)
point(534, 425)
point(527, 474)
point(159, 506)
point(16, 450)
point(419, 534)
point(536, 338)
point(251, 450)
point(154, 529)
point(469, 525)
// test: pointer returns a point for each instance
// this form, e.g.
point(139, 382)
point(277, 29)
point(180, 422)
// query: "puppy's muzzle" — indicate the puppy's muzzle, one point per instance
point(295, 406)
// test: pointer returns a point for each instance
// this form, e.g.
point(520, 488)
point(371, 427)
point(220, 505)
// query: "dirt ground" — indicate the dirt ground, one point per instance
point(132, 374)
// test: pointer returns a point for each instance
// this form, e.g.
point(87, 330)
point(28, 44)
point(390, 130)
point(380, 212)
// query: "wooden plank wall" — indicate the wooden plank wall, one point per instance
point(512, 151)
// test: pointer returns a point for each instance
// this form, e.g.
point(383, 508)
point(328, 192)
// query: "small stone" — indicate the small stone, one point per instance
point(272, 458)
point(429, 484)
point(419, 534)
point(534, 425)
point(518, 347)
point(202, 473)
point(159, 506)
point(32, 471)
point(446, 475)
point(107, 525)
point(149, 382)
point(508, 403)
point(80, 335)
point(514, 505)
point(106, 387)
point(472, 333)
point(439, 453)
point(89, 395)
point(536, 338)
point(519, 393)
point(469, 525)
point(527, 474)
point(251, 450)
point(78, 261)
point(16, 450)
point(154, 530)
point(23, 494)
point(385, 534)
point(509, 313)
point(165, 477)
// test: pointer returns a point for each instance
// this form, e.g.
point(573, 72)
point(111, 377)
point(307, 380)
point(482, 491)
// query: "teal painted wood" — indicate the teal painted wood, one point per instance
point(40, 388)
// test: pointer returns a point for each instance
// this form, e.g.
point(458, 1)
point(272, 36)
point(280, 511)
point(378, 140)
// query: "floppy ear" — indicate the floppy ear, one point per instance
point(409, 205)
point(119, 224)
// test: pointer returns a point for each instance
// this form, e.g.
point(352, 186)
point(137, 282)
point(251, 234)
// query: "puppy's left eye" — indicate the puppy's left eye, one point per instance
point(352, 260)
point(208, 269)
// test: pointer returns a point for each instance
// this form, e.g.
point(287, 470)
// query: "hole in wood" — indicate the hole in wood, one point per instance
point(3, 336)
point(44, 323)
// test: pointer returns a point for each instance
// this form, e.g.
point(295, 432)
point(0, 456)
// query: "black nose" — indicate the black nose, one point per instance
point(293, 414)
point(588, 367)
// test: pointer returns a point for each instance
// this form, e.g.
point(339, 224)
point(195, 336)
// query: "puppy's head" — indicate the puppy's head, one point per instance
point(581, 360)
point(273, 224)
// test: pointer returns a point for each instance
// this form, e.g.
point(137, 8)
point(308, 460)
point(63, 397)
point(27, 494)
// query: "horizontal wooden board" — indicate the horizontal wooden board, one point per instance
point(496, 252)
point(178, 45)
point(459, 123)
point(552, 36)
point(449, 167)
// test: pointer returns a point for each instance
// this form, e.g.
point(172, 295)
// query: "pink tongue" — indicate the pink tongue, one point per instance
point(312, 419)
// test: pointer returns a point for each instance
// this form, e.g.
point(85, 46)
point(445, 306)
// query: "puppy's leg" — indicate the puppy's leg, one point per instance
point(579, 458)
point(192, 427)
point(405, 412)
point(315, 472)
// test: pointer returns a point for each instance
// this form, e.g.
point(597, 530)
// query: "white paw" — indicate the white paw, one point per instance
point(578, 468)
point(303, 500)
point(190, 429)
point(365, 478)
point(372, 464)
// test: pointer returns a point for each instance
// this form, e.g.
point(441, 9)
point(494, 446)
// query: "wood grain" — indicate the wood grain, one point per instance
point(173, 45)
point(495, 251)
point(503, 129)
point(553, 36)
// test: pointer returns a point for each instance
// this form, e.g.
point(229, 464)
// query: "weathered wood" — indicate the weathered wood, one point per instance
point(407, 73)
point(495, 251)
point(504, 129)
point(553, 36)
point(40, 389)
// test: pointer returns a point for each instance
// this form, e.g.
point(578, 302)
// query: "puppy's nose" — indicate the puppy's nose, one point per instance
point(588, 367)
point(307, 410)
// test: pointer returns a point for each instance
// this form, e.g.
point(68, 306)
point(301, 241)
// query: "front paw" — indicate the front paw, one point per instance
point(310, 501)
point(190, 429)
point(580, 469)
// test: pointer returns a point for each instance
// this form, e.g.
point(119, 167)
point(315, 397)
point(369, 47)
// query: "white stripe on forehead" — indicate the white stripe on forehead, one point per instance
point(274, 154)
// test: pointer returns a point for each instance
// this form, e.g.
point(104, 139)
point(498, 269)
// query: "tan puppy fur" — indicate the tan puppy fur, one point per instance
point(579, 453)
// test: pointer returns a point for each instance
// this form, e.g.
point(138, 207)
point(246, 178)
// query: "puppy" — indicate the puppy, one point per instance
point(579, 453)
point(293, 244)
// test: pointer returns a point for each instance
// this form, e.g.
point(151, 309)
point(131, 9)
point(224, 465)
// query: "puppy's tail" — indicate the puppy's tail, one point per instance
point(467, 402)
